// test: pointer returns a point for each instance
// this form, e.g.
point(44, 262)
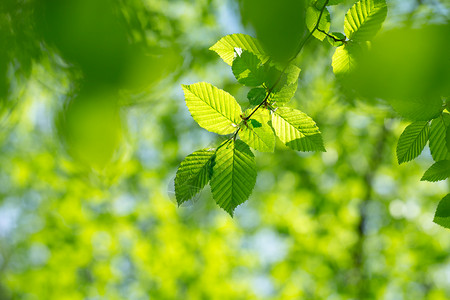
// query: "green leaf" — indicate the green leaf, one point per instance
point(226, 46)
point(442, 216)
point(297, 130)
point(312, 15)
point(257, 133)
point(193, 174)
point(212, 108)
point(364, 19)
point(447, 139)
point(344, 58)
point(234, 174)
point(287, 87)
point(417, 109)
point(256, 95)
point(320, 3)
point(248, 69)
point(438, 148)
point(336, 39)
point(412, 141)
point(438, 171)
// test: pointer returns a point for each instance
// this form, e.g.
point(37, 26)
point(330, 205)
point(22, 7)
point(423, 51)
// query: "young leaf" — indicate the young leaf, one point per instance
point(286, 87)
point(344, 58)
point(438, 171)
point(442, 216)
point(438, 131)
point(256, 95)
point(336, 39)
point(412, 141)
point(212, 108)
point(312, 15)
point(248, 70)
point(226, 46)
point(193, 174)
point(284, 95)
point(364, 19)
point(257, 133)
point(297, 130)
point(234, 175)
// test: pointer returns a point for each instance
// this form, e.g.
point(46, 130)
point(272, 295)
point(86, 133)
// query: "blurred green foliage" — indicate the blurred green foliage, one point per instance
point(93, 128)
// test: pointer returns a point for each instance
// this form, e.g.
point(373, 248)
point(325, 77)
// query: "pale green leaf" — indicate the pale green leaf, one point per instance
point(234, 174)
point(248, 69)
point(287, 87)
point(257, 133)
point(412, 141)
point(438, 171)
point(226, 47)
point(438, 147)
point(212, 108)
point(343, 60)
point(312, 16)
point(297, 130)
point(336, 39)
point(442, 216)
point(256, 95)
point(364, 19)
point(193, 174)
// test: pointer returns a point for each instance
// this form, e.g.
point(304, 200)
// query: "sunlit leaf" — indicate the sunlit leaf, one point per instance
point(226, 46)
point(438, 171)
point(412, 141)
point(257, 133)
point(336, 39)
point(417, 109)
point(234, 175)
point(297, 130)
point(364, 19)
point(193, 174)
point(312, 16)
point(212, 108)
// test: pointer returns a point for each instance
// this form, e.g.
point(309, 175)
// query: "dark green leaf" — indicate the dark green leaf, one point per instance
point(256, 95)
point(438, 171)
point(193, 174)
point(442, 216)
point(248, 69)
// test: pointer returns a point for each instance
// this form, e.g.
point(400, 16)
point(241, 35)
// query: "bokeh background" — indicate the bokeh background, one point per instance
point(93, 127)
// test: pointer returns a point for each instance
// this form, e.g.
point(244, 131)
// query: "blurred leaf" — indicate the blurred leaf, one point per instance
point(193, 174)
point(364, 19)
point(234, 174)
point(279, 25)
point(438, 171)
point(297, 130)
point(248, 69)
point(393, 69)
point(412, 141)
point(438, 131)
point(442, 216)
point(212, 108)
point(257, 133)
point(312, 15)
point(344, 58)
point(320, 3)
point(417, 109)
point(226, 47)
